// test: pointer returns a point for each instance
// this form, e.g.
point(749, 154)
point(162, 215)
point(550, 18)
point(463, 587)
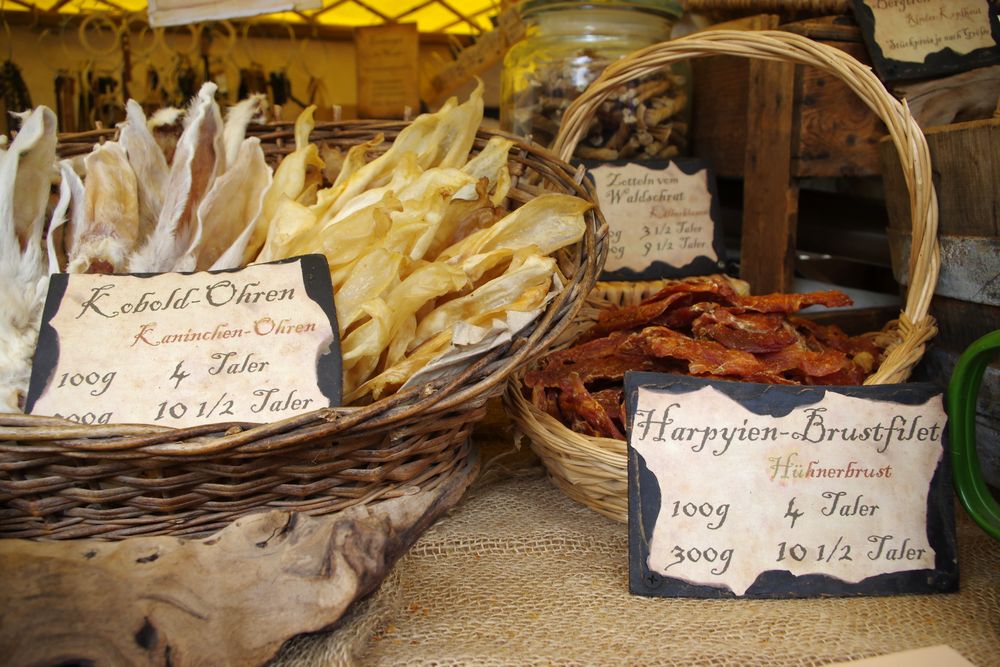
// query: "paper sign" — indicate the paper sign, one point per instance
point(739, 489)
point(911, 39)
point(180, 12)
point(388, 59)
point(662, 218)
point(254, 345)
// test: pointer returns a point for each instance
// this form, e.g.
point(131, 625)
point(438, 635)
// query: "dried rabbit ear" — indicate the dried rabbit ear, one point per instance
point(440, 139)
point(549, 221)
point(494, 296)
point(291, 219)
point(167, 124)
point(491, 164)
point(371, 278)
point(28, 171)
point(199, 159)
point(238, 117)
point(363, 347)
point(425, 201)
point(149, 164)
point(233, 204)
point(110, 223)
point(57, 224)
point(290, 179)
point(25, 170)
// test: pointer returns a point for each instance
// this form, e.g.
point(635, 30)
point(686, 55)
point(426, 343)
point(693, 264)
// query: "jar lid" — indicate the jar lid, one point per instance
point(670, 8)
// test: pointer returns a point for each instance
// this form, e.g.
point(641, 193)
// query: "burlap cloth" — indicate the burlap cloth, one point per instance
point(518, 574)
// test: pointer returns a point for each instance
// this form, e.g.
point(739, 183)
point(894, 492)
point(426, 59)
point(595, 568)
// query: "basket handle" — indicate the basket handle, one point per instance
point(916, 326)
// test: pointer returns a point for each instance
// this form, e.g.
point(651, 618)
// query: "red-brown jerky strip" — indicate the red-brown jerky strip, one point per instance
point(791, 303)
point(578, 405)
point(750, 332)
point(810, 363)
point(704, 357)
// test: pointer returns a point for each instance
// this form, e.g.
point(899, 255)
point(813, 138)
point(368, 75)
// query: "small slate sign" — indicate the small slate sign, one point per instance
point(922, 39)
point(256, 344)
point(663, 218)
point(764, 491)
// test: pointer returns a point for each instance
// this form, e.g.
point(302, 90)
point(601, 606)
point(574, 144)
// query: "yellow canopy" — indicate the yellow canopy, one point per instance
point(451, 16)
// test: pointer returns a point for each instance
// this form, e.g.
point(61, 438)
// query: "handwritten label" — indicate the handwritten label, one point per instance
point(660, 217)
point(254, 345)
point(822, 484)
point(387, 58)
point(939, 36)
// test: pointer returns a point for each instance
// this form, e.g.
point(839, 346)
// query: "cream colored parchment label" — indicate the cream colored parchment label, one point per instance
point(655, 215)
point(187, 349)
point(910, 30)
point(838, 487)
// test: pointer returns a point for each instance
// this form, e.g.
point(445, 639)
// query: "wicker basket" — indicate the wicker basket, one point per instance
point(593, 470)
point(61, 480)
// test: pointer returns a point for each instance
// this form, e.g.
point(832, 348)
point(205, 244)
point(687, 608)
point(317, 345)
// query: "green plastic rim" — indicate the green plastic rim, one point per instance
point(963, 391)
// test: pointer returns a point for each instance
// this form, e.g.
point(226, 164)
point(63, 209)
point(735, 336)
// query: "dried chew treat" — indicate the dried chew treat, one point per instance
point(702, 327)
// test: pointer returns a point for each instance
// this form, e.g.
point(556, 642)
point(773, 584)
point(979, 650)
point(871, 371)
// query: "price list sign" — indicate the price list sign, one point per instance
point(254, 345)
point(746, 490)
point(662, 217)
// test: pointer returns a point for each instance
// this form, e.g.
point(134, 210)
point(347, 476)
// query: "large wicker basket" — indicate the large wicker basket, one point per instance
point(593, 470)
point(61, 480)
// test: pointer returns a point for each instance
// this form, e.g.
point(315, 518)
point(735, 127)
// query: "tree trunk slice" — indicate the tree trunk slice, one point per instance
point(230, 599)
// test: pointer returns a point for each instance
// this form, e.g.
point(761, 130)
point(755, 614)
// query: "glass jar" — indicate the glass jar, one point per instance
point(567, 44)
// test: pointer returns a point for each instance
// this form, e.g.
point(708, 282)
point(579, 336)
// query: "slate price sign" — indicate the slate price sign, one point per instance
point(917, 39)
point(762, 491)
point(180, 349)
point(663, 218)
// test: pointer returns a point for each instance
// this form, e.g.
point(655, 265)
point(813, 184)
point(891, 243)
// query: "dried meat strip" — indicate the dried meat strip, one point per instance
point(601, 369)
point(580, 407)
point(594, 349)
point(810, 364)
point(792, 303)
point(750, 332)
point(704, 357)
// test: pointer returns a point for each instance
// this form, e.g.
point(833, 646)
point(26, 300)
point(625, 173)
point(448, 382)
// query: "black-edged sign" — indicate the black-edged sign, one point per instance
point(663, 218)
point(765, 491)
point(918, 39)
point(179, 349)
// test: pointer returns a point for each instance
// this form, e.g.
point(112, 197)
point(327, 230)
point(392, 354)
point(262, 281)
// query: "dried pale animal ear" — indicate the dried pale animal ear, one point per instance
point(425, 202)
point(491, 164)
point(25, 171)
point(290, 220)
point(233, 205)
point(166, 124)
point(148, 163)
point(57, 224)
point(350, 238)
point(441, 139)
point(396, 376)
point(238, 117)
point(371, 278)
point(199, 159)
point(492, 297)
point(290, 179)
point(549, 221)
point(362, 348)
point(110, 225)
point(26, 177)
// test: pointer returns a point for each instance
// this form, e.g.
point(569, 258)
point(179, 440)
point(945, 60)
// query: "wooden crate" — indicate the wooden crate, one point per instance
point(773, 124)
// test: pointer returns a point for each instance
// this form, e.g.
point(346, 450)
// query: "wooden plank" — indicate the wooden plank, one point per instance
point(838, 133)
point(720, 91)
point(826, 28)
point(770, 196)
point(966, 161)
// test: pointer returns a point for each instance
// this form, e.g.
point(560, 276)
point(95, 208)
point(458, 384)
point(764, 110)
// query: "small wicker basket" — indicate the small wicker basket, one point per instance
point(593, 470)
point(61, 480)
